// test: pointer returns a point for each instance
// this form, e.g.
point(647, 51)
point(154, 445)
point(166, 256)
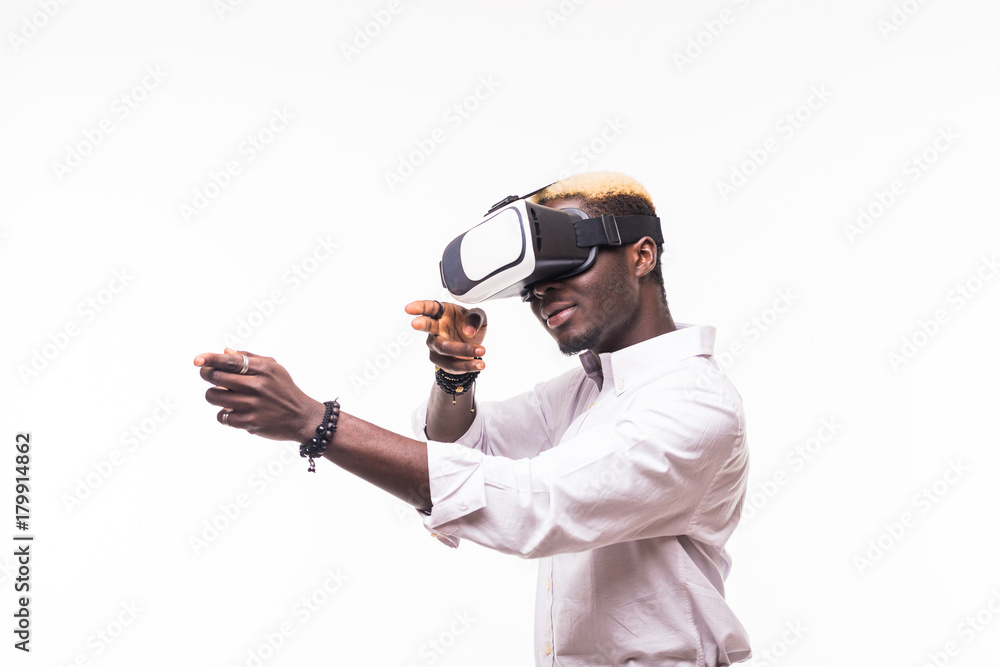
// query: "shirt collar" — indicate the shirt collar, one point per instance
point(621, 368)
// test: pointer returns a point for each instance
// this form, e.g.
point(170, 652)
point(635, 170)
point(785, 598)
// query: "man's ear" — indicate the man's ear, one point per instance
point(645, 257)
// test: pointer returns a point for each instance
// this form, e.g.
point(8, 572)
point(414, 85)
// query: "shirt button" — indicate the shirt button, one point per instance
point(548, 585)
point(621, 384)
point(463, 507)
point(591, 406)
point(548, 649)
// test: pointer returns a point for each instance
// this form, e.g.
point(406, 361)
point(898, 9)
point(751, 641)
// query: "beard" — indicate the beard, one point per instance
point(580, 342)
point(611, 296)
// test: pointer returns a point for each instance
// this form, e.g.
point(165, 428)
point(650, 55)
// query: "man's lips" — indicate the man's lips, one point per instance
point(558, 313)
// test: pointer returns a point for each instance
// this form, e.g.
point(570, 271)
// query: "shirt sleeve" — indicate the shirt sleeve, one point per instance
point(519, 427)
point(669, 465)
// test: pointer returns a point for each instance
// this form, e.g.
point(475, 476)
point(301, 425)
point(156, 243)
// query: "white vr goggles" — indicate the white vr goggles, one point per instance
point(519, 243)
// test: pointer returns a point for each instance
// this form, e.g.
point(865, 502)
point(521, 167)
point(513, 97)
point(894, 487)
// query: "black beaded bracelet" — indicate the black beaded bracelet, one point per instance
point(324, 434)
point(455, 384)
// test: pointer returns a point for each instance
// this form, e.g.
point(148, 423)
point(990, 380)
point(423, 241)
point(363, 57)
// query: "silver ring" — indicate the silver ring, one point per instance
point(246, 364)
point(225, 417)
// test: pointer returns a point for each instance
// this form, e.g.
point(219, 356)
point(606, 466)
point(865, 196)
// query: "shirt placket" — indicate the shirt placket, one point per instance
point(546, 648)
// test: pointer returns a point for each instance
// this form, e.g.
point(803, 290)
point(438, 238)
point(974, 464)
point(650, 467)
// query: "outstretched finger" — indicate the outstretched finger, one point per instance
point(432, 309)
point(425, 324)
point(230, 363)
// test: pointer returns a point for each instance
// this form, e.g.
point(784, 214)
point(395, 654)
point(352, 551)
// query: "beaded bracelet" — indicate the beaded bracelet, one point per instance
point(324, 434)
point(455, 384)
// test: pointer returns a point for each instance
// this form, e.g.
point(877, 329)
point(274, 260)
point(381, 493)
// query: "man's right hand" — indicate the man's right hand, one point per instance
point(455, 339)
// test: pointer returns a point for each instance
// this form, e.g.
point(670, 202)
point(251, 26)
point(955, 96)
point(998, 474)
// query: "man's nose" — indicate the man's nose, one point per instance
point(542, 286)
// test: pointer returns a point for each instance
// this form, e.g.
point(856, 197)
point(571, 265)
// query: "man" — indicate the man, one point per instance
point(625, 477)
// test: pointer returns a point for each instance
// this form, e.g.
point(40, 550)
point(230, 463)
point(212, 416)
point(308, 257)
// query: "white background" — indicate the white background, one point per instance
point(679, 95)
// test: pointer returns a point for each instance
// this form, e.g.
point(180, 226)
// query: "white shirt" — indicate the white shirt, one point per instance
point(626, 477)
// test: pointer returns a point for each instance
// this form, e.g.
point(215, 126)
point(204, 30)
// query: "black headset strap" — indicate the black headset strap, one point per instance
point(616, 230)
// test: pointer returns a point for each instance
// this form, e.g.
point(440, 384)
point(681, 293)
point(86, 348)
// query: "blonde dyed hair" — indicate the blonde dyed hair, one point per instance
point(599, 188)
point(607, 192)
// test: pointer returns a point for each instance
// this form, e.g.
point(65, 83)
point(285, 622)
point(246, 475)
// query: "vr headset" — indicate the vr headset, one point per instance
point(519, 243)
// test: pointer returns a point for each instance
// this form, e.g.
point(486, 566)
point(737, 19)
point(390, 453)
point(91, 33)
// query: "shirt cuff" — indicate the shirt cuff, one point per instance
point(457, 481)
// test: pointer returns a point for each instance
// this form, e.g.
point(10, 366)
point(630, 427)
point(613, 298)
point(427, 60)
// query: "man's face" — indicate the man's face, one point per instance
point(591, 310)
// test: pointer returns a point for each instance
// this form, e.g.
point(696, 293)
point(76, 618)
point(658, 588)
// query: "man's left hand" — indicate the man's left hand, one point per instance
point(263, 401)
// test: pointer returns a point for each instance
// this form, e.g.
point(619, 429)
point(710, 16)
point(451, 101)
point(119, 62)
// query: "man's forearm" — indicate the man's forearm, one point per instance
point(388, 460)
point(447, 422)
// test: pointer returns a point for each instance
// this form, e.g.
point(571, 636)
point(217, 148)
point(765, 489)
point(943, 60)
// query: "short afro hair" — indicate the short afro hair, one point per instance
point(608, 192)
